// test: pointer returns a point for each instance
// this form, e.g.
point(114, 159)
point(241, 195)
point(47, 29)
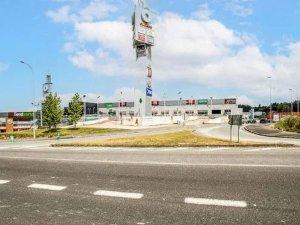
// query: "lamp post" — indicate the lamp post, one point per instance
point(34, 99)
point(164, 97)
point(270, 85)
point(98, 103)
point(179, 101)
point(84, 108)
point(211, 99)
point(298, 106)
point(291, 91)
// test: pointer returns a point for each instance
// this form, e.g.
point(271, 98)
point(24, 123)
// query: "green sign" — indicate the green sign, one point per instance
point(108, 105)
point(202, 101)
point(28, 114)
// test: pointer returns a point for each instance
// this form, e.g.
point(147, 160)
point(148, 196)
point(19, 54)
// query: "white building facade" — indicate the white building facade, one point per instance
point(191, 107)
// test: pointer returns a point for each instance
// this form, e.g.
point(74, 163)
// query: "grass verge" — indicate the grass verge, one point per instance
point(176, 139)
point(62, 132)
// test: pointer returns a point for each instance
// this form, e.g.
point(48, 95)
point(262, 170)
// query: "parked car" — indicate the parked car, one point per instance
point(264, 120)
point(251, 121)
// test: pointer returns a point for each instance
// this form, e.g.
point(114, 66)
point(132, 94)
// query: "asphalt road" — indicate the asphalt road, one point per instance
point(223, 131)
point(169, 186)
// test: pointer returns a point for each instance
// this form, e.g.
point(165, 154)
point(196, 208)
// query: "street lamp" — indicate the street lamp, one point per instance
point(164, 97)
point(34, 99)
point(298, 106)
point(211, 100)
point(270, 84)
point(291, 90)
point(179, 101)
point(84, 108)
point(98, 103)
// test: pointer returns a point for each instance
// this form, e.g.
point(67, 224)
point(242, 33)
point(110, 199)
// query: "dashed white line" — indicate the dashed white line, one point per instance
point(215, 202)
point(47, 187)
point(119, 194)
point(4, 181)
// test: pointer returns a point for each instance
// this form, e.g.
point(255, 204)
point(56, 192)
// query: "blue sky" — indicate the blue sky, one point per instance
point(204, 48)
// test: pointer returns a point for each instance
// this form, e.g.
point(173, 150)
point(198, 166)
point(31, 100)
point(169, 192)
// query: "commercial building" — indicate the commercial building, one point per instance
point(15, 121)
point(192, 107)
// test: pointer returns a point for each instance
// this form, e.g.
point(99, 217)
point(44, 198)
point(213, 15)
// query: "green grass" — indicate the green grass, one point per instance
point(63, 132)
point(176, 139)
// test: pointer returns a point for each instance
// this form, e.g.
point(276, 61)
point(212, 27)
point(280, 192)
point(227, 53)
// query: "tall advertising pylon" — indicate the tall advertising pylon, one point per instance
point(143, 40)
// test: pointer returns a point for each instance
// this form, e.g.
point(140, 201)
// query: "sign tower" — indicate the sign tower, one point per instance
point(143, 41)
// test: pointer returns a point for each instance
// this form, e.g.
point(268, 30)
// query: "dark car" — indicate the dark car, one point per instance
point(264, 120)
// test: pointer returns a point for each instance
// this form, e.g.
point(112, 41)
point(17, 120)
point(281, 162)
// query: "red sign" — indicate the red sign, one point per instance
point(141, 37)
point(149, 72)
point(190, 102)
point(230, 101)
point(155, 103)
point(123, 104)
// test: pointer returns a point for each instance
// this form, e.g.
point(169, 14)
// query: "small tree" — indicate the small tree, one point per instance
point(52, 112)
point(75, 109)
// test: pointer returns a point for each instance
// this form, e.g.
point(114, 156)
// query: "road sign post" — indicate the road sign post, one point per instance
point(235, 120)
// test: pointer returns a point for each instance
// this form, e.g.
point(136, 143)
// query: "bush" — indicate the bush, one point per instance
point(289, 123)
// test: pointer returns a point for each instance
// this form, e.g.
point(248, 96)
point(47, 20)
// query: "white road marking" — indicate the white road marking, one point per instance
point(154, 163)
point(216, 202)
point(4, 181)
point(47, 187)
point(119, 194)
point(259, 149)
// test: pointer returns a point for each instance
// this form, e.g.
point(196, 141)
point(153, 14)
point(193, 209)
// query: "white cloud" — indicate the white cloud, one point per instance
point(241, 8)
point(96, 9)
point(190, 50)
point(3, 67)
point(203, 12)
point(61, 15)
point(245, 100)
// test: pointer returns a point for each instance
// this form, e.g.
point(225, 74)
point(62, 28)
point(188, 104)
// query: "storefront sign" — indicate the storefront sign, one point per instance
point(202, 101)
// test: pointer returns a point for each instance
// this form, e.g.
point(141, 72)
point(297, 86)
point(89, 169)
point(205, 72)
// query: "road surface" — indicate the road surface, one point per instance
point(223, 131)
point(40, 185)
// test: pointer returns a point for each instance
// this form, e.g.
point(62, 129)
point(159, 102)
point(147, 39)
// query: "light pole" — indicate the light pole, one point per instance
point(164, 97)
point(291, 91)
point(179, 101)
point(34, 100)
point(84, 109)
point(298, 106)
point(270, 84)
point(211, 99)
point(98, 113)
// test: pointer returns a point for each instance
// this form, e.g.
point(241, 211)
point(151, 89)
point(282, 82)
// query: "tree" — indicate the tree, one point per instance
point(246, 108)
point(52, 112)
point(75, 109)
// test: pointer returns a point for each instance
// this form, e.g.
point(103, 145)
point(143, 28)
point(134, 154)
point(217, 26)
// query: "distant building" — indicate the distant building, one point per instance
point(192, 107)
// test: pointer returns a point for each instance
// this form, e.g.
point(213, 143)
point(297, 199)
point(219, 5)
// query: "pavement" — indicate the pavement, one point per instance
point(267, 130)
point(222, 131)
point(120, 186)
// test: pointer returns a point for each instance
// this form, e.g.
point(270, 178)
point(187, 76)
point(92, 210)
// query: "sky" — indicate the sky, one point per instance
point(218, 48)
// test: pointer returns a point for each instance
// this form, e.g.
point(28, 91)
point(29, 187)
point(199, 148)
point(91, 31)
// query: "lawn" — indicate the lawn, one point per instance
point(62, 132)
point(176, 139)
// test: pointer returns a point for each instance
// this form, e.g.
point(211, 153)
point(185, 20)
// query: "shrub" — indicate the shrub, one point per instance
point(289, 123)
